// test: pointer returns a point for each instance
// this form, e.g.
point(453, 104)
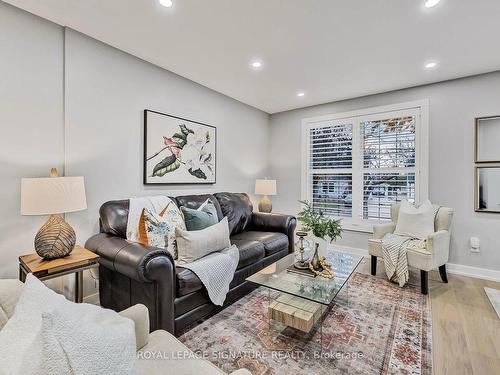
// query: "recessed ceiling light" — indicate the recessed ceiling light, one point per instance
point(431, 65)
point(166, 3)
point(256, 64)
point(301, 94)
point(431, 3)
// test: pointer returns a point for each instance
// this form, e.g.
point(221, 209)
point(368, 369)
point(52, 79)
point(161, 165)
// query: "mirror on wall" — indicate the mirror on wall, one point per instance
point(487, 189)
point(487, 139)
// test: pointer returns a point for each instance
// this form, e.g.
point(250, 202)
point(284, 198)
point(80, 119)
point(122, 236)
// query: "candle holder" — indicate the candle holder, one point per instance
point(303, 262)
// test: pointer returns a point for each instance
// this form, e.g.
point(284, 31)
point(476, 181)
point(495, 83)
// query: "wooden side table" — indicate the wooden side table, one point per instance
point(78, 261)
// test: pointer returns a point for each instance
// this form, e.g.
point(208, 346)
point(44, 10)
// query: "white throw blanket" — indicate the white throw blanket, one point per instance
point(394, 249)
point(216, 271)
point(154, 204)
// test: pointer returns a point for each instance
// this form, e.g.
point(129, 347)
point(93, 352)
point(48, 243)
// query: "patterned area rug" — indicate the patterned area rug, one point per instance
point(374, 327)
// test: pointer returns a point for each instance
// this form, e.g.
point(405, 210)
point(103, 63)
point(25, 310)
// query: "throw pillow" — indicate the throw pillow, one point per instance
point(415, 222)
point(201, 218)
point(160, 229)
point(193, 245)
point(34, 340)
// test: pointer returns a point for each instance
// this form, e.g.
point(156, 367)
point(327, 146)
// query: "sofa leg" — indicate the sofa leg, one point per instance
point(442, 272)
point(424, 281)
point(373, 265)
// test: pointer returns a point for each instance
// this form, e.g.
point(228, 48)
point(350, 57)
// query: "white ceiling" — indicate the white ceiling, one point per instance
point(330, 49)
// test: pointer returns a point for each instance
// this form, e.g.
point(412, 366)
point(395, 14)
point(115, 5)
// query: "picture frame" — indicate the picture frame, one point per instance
point(487, 188)
point(486, 134)
point(178, 150)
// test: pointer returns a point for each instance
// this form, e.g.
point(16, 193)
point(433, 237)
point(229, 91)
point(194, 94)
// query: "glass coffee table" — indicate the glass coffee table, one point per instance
point(300, 301)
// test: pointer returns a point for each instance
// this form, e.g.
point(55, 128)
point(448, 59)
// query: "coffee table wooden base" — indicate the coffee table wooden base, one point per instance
point(295, 312)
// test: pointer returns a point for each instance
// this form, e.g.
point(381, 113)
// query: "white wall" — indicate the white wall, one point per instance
point(31, 141)
point(106, 93)
point(69, 101)
point(453, 107)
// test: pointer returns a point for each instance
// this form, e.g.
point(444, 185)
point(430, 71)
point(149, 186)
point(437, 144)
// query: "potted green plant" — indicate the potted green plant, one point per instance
point(321, 226)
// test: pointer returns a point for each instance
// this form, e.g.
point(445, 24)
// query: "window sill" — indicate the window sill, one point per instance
point(356, 226)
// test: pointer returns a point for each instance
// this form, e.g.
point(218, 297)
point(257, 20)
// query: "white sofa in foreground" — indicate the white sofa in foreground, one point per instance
point(158, 352)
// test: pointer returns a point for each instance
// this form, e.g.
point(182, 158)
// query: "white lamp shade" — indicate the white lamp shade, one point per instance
point(265, 187)
point(52, 195)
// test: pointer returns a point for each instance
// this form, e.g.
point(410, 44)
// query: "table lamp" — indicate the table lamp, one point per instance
point(53, 196)
point(265, 187)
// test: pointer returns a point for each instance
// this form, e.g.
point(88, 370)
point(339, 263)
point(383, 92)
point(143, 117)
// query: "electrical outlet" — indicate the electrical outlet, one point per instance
point(474, 245)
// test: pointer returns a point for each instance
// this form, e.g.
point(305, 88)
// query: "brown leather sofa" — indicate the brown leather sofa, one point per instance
point(131, 273)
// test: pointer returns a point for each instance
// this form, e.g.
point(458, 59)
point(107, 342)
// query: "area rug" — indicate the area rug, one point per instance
point(374, 327)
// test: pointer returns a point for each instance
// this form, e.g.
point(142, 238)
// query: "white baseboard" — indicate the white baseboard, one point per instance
point(456, 269)
point(476, 272)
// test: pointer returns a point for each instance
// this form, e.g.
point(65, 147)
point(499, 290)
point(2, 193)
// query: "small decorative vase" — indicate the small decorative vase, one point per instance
point(315, 261)
point(323, 245)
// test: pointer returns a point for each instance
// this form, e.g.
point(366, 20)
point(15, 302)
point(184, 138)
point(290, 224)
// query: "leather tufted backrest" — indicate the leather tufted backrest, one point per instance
point(238, 209)
point(442, 221)
point(114, 217)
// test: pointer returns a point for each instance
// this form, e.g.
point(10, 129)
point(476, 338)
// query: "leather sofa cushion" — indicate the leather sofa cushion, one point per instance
point(195, 201)
point(272, 241)
point(187, 281)
point(238, 209)
point(250, 251)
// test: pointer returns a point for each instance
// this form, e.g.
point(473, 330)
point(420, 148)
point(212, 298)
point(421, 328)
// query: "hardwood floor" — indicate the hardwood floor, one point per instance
point(465, 327)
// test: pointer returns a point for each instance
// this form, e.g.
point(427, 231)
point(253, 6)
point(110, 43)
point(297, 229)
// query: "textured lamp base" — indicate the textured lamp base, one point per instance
point(265, 205)
point(55, 239)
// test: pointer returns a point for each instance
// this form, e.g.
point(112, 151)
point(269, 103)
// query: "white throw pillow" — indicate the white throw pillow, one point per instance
point(50, 335)
point(195, 244)
point(415, 222)
point(160, 228)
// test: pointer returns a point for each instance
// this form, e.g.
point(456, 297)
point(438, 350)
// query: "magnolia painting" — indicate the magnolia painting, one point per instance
point(178, 151)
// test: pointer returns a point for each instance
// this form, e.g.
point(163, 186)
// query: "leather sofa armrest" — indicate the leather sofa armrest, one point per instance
point(132, 259)
point(275, 223)
point(151, 266)
point(140, 316)
point(380, 230)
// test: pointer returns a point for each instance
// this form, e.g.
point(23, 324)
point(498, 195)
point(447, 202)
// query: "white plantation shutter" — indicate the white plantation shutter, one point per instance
point(330, 168)
point(331, 147)
point(357, 167)
point(388, 164)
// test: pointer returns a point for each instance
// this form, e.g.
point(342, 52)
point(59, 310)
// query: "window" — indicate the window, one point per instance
point(356, 165)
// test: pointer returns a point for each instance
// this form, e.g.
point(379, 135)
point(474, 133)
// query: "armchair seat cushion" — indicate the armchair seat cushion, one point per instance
point(422, 259)
point(273, 242)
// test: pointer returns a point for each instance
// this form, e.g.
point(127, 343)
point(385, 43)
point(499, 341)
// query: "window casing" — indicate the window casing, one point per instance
point(357, 164)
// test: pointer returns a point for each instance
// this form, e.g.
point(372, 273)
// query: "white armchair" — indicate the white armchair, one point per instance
point(435, 255)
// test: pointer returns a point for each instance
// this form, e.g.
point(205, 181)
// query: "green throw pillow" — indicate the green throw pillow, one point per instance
point(201, 218)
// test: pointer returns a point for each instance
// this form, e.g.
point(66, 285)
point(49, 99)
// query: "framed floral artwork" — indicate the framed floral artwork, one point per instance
point(178, 151)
